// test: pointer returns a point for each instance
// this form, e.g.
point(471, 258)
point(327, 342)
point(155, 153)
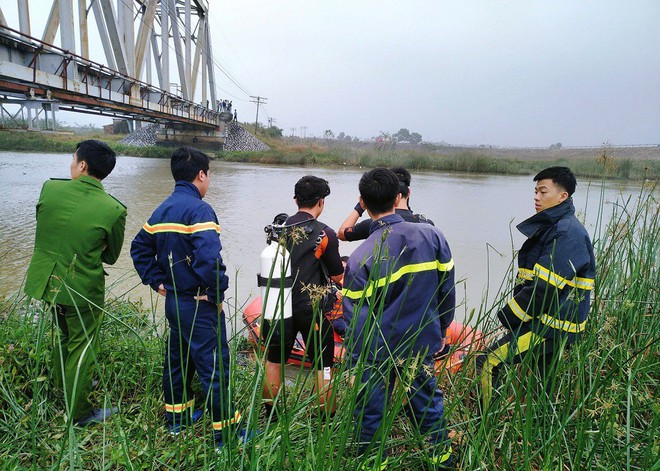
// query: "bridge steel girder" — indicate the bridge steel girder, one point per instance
point(177, 25)
point(25, 65)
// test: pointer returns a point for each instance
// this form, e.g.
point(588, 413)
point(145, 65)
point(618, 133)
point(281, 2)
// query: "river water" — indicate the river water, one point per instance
point(477, 214)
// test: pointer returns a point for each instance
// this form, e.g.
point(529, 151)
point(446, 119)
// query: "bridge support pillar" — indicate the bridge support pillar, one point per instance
point(176, 136)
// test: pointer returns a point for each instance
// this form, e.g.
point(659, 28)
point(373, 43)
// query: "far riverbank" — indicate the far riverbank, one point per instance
point(612, 163)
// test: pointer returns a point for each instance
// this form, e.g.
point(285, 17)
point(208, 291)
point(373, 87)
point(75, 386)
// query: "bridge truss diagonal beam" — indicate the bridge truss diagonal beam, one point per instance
point(118, 82)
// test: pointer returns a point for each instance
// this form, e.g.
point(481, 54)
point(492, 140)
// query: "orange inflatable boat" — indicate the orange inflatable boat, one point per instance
point(460, 338)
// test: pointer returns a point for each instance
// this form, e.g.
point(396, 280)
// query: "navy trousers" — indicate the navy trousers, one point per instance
point(197, 343)
point(511, 350)
point(425, 401)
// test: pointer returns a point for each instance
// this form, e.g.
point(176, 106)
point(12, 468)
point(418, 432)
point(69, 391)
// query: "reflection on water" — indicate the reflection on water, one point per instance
point(476, 213)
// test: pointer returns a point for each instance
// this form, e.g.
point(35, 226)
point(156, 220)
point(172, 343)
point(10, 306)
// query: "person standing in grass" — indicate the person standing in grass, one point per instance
point(550, 303)
point(314, 250)
point(351, 230)
point(178, 254)
point(79, 227)
point(399, 300)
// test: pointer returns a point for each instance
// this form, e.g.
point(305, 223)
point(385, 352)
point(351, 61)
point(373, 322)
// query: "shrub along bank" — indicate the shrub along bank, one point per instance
point(599, 163)
point(601, 413)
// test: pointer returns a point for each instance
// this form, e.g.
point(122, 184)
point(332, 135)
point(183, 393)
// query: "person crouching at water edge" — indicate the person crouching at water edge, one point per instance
point(79, 227)
point(399, 300)
point(550, 303)
point(178, 254)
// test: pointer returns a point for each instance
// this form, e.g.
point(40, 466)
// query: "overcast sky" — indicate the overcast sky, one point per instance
point(519, 73)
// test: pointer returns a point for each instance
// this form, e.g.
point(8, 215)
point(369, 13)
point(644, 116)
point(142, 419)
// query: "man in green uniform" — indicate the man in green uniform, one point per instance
point(79, 226)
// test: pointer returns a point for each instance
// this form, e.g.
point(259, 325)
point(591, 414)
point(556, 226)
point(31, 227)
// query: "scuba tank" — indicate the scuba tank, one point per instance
point(275, 279)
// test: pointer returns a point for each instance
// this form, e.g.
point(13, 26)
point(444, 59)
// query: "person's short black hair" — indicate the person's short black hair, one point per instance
point(187, 162)
point(100, 158)
point(379, 188)
point(309, 190)
point(404, 180)
point(560, 176)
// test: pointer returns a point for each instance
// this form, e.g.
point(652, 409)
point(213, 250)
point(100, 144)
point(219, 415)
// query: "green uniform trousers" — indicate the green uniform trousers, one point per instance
point(74, 355)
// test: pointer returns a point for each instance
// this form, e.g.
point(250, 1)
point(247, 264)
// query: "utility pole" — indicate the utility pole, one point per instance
point(303, 131)
point(258, 100)
point(293, 132)
point(271, 121)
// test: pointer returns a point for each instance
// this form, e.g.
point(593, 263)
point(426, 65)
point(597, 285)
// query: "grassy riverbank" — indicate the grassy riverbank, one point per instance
point(609, 163)
point(602, 413)
point(24, 141)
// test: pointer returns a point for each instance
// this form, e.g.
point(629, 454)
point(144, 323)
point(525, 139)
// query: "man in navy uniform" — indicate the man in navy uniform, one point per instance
point(399, 300)
point(177, 253)
point(556, 270)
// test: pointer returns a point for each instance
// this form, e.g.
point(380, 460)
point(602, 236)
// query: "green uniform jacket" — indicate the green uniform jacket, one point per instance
point(79, 226)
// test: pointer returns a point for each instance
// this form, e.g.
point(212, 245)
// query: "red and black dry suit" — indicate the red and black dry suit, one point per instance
point(180, 247)
point(399, 300)
point(551, 299)
point(314, 250)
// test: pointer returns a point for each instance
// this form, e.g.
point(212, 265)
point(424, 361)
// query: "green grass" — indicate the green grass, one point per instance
point(603, 412)
point(603, 163)
point(66, 144)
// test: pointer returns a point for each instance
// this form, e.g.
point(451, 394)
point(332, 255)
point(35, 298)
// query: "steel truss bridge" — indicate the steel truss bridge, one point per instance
point(138, 38)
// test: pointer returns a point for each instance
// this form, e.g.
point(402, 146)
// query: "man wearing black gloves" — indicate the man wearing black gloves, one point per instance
point(351, 230)
point(399, 300)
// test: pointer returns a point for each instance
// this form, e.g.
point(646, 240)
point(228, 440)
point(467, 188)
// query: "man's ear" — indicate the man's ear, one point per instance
point(397, 200)
point(563, 196)
point(83, 167)
point(364, 206)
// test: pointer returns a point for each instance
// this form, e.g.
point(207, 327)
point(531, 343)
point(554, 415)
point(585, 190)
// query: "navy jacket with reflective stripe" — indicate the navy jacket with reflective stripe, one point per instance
point(556, 270)
point(185, 229)
point(405, 270)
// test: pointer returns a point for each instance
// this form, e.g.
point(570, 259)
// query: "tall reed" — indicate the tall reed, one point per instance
point(602, 412)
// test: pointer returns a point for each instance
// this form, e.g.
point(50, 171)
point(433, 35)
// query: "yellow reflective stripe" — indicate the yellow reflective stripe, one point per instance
point(493, 359)
point(499, 355)
point(525, 274)
point(550, 321)
point(549, 277)
point(224, 423)
point(559, 281)
point(181, 228)
point(176, 408)
point(518, 311)
point(404, 270)
point(524, 342)
point(583, 283)
point(566, 326)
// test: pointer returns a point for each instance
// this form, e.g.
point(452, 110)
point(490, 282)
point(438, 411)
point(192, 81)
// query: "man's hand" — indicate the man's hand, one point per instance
point(206, 298)
point(161, 290)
